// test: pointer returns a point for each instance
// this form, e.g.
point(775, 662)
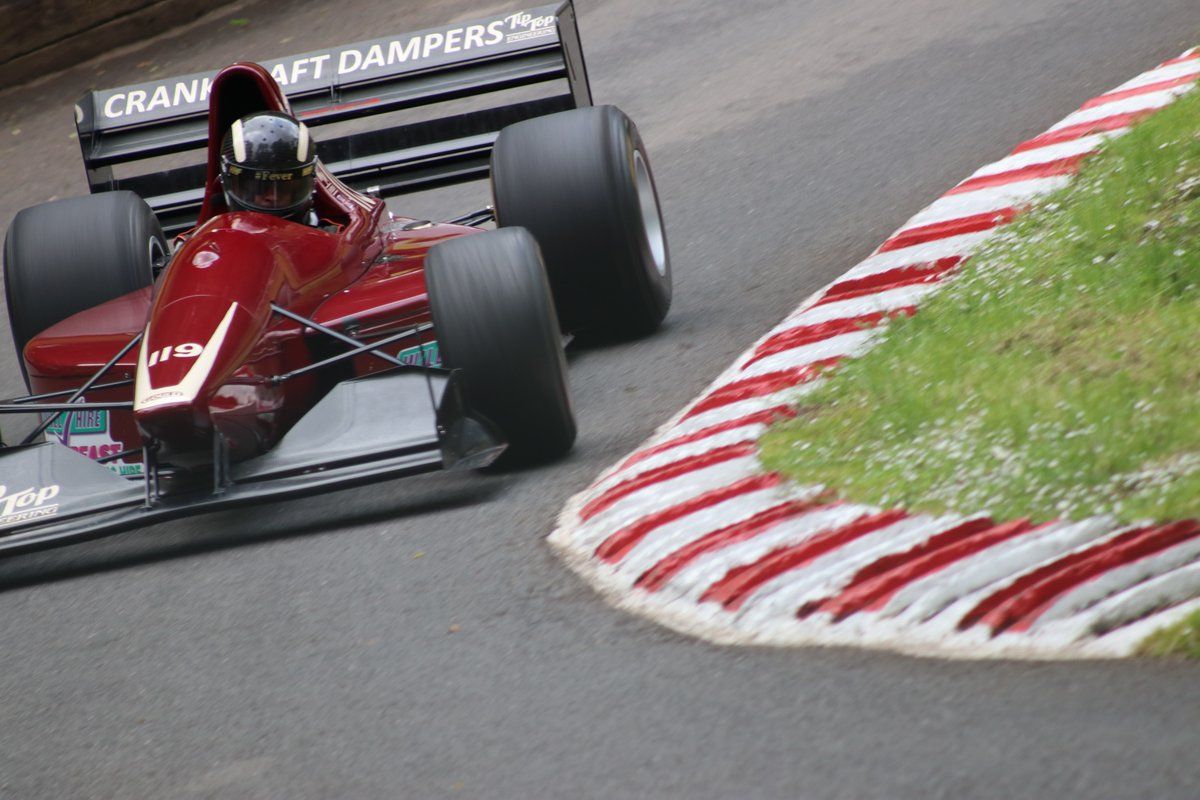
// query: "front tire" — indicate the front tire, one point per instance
point(580, 182)
point(68, 255)
point(494, 319)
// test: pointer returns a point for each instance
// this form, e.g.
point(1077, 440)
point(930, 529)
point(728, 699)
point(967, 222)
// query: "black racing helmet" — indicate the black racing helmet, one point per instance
point(268, 164)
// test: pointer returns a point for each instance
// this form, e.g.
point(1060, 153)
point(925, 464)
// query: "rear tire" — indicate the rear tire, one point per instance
point(494, 319)
point(68, 255)
point(580, 182)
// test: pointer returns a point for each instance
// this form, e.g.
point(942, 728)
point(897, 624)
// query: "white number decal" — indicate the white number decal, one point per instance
point(185, 350)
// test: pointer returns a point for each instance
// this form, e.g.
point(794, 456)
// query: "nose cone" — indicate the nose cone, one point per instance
point(186, 354)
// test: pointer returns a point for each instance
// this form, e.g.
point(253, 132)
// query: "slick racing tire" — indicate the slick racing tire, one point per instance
point(494, 319)
point(580, 182)
point(67, 255)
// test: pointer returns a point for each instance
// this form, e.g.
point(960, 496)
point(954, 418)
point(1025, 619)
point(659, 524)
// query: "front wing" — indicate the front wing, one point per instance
point(367, 429)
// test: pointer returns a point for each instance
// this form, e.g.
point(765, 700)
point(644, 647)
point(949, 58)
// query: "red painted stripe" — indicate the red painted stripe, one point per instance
point(1023, 612)
point(657, 576)
point(1084, 129)
point(898, 283)
point(740, 582)
point(1180, 59)
point(883, 565)
point(873, 587)
point(616, 546)
point(1019, 604)
point(803, 335)
point(666, 472)
point(767, 416)
point(935, 231)
point(1149, 88)
point(1049, 169)
point(890, 279)
point(759, 386)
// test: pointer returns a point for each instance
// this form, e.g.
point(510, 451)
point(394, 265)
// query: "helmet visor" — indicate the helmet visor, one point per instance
point(271, 191)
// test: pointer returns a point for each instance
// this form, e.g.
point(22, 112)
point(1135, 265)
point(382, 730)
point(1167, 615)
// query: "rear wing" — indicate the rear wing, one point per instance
point(159, 118)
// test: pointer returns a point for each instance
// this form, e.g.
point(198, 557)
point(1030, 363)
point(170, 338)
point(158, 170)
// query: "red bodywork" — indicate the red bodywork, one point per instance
point(212, 342)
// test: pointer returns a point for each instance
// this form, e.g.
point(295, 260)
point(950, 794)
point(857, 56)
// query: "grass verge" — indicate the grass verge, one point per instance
point(1181, 640)
point(1057, 377)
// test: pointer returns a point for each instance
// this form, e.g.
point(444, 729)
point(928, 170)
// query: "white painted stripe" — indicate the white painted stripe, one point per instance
point(1044, 155)
point(671, 537)
point(944, 623)
point(746, 433)
point(830, 574)
point(1141, 102)
point(1118, 580)
point(844, 345)
point(239, 141)
point(741, 408)
point(928, 252)
point(922, 599)
point(1125, 640)
point(302, 145)
point(982, 201)
point(1162, 590)
point(1108, 102)
point(698, 577)
point(646, 501)
point(889, 300)
point(1071, 539)
point(1180, 70)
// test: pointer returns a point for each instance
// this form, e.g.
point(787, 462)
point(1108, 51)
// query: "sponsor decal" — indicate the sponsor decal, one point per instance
point(425, 355)
point(523, 26)
point(85, 432)
point(361, 61)
point(140, 101)
point(418, 47)
point(91, 421)
point(94, 450)
point(27, 505)
point(160, 396)
point(129, 470)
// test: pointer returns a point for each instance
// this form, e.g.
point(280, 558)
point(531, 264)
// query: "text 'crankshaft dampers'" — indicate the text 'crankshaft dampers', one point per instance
point(357, 61)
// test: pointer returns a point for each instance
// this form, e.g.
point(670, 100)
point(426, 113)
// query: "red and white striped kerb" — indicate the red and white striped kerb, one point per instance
point(689, 531)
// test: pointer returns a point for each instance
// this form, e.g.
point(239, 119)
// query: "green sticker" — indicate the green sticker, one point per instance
point(91, 421)
point(424, 355)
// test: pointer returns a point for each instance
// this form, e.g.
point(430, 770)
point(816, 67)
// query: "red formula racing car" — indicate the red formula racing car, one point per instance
point(246, 354)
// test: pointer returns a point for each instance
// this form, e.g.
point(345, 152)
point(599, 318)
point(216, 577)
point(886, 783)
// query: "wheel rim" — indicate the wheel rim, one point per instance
point(651, 215)
point(158, 255)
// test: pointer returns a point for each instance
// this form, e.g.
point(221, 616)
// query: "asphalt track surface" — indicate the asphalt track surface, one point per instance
point(418, 638)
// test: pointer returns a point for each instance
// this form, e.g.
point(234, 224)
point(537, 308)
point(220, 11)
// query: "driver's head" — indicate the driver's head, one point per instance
point(268, 164)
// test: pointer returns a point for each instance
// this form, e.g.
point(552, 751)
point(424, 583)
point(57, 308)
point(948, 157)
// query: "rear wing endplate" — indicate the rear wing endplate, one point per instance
point(159, 118)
